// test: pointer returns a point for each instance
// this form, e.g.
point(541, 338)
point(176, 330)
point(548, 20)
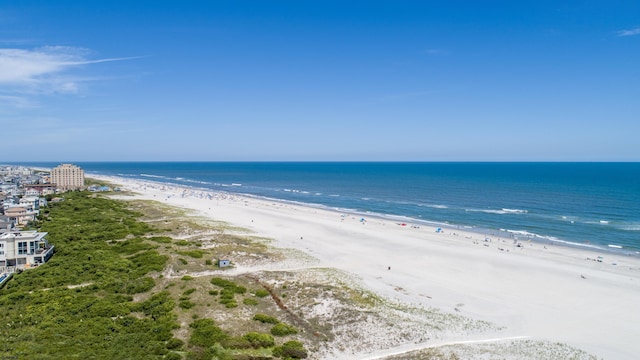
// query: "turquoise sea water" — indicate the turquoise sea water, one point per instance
point(578, 204)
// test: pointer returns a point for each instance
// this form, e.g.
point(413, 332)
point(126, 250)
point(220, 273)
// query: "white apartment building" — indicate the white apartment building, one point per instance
point(24, 248)
point(67, 177)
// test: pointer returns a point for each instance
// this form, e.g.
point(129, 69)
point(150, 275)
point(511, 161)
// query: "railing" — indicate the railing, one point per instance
point(7, 269)
point(44, 250)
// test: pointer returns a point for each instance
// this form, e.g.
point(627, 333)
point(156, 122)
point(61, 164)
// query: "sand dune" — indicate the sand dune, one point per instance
point(538, 291)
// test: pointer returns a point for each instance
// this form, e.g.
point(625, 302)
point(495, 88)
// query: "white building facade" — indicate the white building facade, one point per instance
point(24, 249)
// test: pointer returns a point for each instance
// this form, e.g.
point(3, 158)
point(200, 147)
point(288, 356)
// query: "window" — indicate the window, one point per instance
point(22, 248)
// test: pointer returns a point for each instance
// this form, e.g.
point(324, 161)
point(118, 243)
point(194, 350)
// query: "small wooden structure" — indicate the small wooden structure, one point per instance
point(224, 263)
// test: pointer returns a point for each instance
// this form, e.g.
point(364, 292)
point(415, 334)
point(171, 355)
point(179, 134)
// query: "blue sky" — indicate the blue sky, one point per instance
point(320, 80)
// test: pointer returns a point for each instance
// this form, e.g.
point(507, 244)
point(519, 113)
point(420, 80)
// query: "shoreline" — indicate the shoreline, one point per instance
point(580, 297)
point(601, 249)
point(604, 248)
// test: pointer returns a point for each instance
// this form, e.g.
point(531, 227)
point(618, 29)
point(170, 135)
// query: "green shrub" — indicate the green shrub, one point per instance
point(290, 350)
point(208, 262)
point(231, 304)
point(156, 306)
point(196, 254)
point(189, 292)
point(227, 295)
point(161, 239)
point(132, 246)
point(223, 283)
point(250, 301)
point(182, 243)
point(261, 293)
point(265, 319)
point(236, 343)
point(205, 333)
point(183, 261)
point(137, 286)
point(229, 289)
point(173, 344)
point(282, 329)
point(187, 278)
point(147, 261)
point(173, 356)
point(213, 292)
point(186, 304)
point(259, 340)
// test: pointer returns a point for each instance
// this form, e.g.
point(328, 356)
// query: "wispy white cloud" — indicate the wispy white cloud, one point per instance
point(47, 69)
point(19, 102)
point(629, 32)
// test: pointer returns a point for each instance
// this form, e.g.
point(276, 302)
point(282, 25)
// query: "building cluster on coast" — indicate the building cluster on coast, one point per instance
point(23, 192)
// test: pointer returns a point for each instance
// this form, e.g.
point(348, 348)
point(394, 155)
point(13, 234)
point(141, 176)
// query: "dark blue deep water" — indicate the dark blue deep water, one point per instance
point(585, 204)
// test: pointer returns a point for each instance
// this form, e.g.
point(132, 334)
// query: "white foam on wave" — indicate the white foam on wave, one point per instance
point(154, 176)
point(499, 212)
point(571, 243)
point(571, 219)
point(523, 233)
point(631, 227)
point(436, 206)
point(515, 211)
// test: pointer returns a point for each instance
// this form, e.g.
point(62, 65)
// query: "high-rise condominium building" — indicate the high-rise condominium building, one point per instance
point(67, 177)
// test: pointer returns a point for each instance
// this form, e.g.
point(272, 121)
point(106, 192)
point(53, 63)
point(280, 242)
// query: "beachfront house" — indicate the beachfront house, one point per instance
point(20, 215)
point(22, 249)
point(96, 188)
point(31, 203)
point(40, 189)
point(6, 224)
point(10, 189)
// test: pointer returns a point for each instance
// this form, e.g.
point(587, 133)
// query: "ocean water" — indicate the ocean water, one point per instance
point(593, 205)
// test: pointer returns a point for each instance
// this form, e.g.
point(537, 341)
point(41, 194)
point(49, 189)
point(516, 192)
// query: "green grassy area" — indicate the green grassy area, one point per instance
point(103, 294)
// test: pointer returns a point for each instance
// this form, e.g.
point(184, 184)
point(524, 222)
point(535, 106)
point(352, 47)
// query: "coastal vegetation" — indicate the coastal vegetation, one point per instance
point(104, 295)
point(140, 280)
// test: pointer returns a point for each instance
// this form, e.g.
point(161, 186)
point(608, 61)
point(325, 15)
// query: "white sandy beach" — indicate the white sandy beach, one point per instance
point(539, 292)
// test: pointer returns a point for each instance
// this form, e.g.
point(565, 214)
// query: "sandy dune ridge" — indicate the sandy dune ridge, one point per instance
point(534, 291)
